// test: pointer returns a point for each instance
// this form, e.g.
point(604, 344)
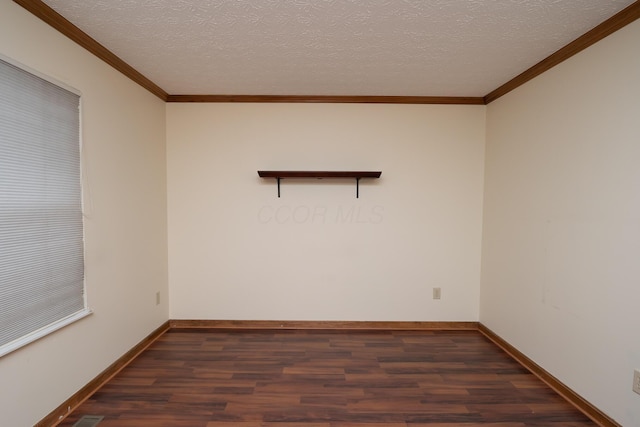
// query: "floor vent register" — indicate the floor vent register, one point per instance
point(89, 421)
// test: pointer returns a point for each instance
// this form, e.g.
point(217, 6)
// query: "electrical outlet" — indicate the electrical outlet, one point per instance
point(436, 293)
point(636, 381)
point(158, 298)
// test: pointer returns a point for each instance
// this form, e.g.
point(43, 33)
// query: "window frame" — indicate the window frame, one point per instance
point(56, 325)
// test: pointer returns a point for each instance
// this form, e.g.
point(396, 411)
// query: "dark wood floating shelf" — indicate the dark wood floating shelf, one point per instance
point(278, 175)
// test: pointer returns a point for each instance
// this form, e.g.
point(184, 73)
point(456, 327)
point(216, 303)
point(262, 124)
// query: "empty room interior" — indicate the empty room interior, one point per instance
point(506, 214)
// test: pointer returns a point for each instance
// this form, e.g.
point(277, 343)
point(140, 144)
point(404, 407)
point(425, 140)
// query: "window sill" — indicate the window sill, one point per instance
point(36, 335)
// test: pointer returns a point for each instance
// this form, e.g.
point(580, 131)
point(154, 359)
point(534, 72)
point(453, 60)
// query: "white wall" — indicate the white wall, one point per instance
point(318, 253)
point(561, 243)
point(125, 198)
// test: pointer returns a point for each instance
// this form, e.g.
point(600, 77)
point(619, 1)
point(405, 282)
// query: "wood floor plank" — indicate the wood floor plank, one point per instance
point(291, 378)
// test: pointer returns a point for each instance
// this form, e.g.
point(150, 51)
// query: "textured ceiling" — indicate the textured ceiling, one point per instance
point(334, 47)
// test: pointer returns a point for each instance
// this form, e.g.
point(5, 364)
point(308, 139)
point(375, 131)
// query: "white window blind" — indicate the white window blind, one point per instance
point(41, 230)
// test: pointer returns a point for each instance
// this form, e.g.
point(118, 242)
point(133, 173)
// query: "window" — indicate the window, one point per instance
point(41, 230)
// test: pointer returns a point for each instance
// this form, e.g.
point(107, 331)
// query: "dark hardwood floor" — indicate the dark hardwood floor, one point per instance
point(202, 378)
